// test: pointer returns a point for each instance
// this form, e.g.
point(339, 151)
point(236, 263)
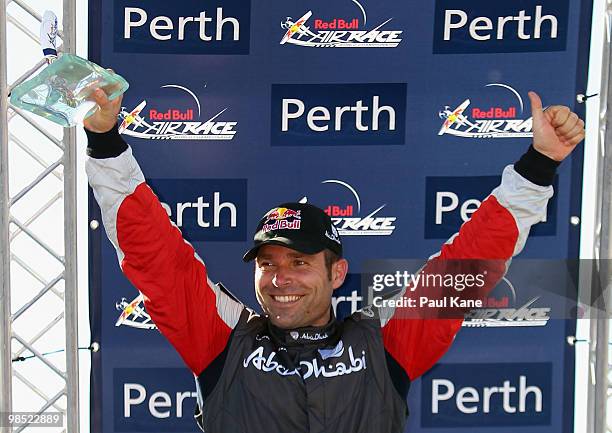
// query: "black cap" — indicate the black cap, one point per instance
point(299, 226)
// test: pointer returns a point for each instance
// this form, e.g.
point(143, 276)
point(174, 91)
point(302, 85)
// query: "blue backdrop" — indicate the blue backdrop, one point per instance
point(341, 102)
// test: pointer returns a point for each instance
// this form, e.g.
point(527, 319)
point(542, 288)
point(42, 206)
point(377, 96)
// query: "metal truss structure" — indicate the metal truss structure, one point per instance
point(38, 285)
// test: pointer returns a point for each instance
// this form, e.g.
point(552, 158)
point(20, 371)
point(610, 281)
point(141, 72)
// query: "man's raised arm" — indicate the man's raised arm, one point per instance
point(495, 233)
point(189, 310)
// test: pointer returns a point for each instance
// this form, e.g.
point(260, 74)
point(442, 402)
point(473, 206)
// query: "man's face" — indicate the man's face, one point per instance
point(294, 288)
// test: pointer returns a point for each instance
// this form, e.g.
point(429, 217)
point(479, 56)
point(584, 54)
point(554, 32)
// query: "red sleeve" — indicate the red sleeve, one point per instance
point(178, 295)
point(417, 344)
point(191, 312)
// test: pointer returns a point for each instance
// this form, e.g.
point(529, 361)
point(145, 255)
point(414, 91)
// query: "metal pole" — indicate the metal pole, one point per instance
point(70, 245)
point(598, 395)
point(5, 261)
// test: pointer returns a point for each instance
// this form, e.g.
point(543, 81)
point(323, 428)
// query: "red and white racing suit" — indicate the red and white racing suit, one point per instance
point(253, 377)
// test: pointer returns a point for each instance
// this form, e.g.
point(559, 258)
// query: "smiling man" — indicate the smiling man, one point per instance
point(296, 368)
point(298, 265)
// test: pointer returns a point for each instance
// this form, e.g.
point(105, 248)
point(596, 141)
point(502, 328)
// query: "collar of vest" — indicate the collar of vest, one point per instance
point(326, 335)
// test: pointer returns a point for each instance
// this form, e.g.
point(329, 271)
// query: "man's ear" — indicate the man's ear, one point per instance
point(339, 271)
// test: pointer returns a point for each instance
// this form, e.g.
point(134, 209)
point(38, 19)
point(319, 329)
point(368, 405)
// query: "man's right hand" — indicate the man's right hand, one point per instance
point(105, 118)
point(556, 131)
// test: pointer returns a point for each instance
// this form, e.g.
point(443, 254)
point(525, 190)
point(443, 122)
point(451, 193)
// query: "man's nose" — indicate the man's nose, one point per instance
point(281, 278)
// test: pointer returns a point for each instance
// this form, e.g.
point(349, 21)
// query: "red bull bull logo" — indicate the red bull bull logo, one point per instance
point(281, 213)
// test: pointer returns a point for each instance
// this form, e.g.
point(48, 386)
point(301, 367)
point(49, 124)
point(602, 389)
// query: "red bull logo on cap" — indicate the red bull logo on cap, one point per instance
point(281, 216)
point(281, 213)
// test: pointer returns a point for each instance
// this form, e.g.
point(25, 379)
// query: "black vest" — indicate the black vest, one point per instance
point(334, 379)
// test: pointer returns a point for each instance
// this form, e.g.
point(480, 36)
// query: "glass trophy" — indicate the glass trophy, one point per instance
point(61, 91)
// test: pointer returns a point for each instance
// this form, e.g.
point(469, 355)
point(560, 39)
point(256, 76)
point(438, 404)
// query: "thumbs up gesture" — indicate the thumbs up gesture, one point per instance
point(556, 130)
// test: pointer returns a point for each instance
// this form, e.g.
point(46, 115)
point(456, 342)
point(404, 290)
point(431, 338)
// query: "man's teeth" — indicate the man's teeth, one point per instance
point(286, 298)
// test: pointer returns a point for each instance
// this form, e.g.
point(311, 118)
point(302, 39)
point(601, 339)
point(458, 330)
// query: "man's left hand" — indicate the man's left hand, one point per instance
point(556, 131)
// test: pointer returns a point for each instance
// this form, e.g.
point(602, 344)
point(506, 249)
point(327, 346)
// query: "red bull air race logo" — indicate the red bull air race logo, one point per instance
point(347, 215)
point(345, 32)
point(282, 218)
point(173, 123)
point(488, 119)
point(133, 314)
point(502, 310)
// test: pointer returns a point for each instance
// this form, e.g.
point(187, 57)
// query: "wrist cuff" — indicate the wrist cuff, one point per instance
point(537, 167)
point(102, 145)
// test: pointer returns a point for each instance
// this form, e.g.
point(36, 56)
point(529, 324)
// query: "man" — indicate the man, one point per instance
point(295, 368)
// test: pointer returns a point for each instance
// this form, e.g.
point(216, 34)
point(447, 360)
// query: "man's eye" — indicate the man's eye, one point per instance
point(300, 262)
